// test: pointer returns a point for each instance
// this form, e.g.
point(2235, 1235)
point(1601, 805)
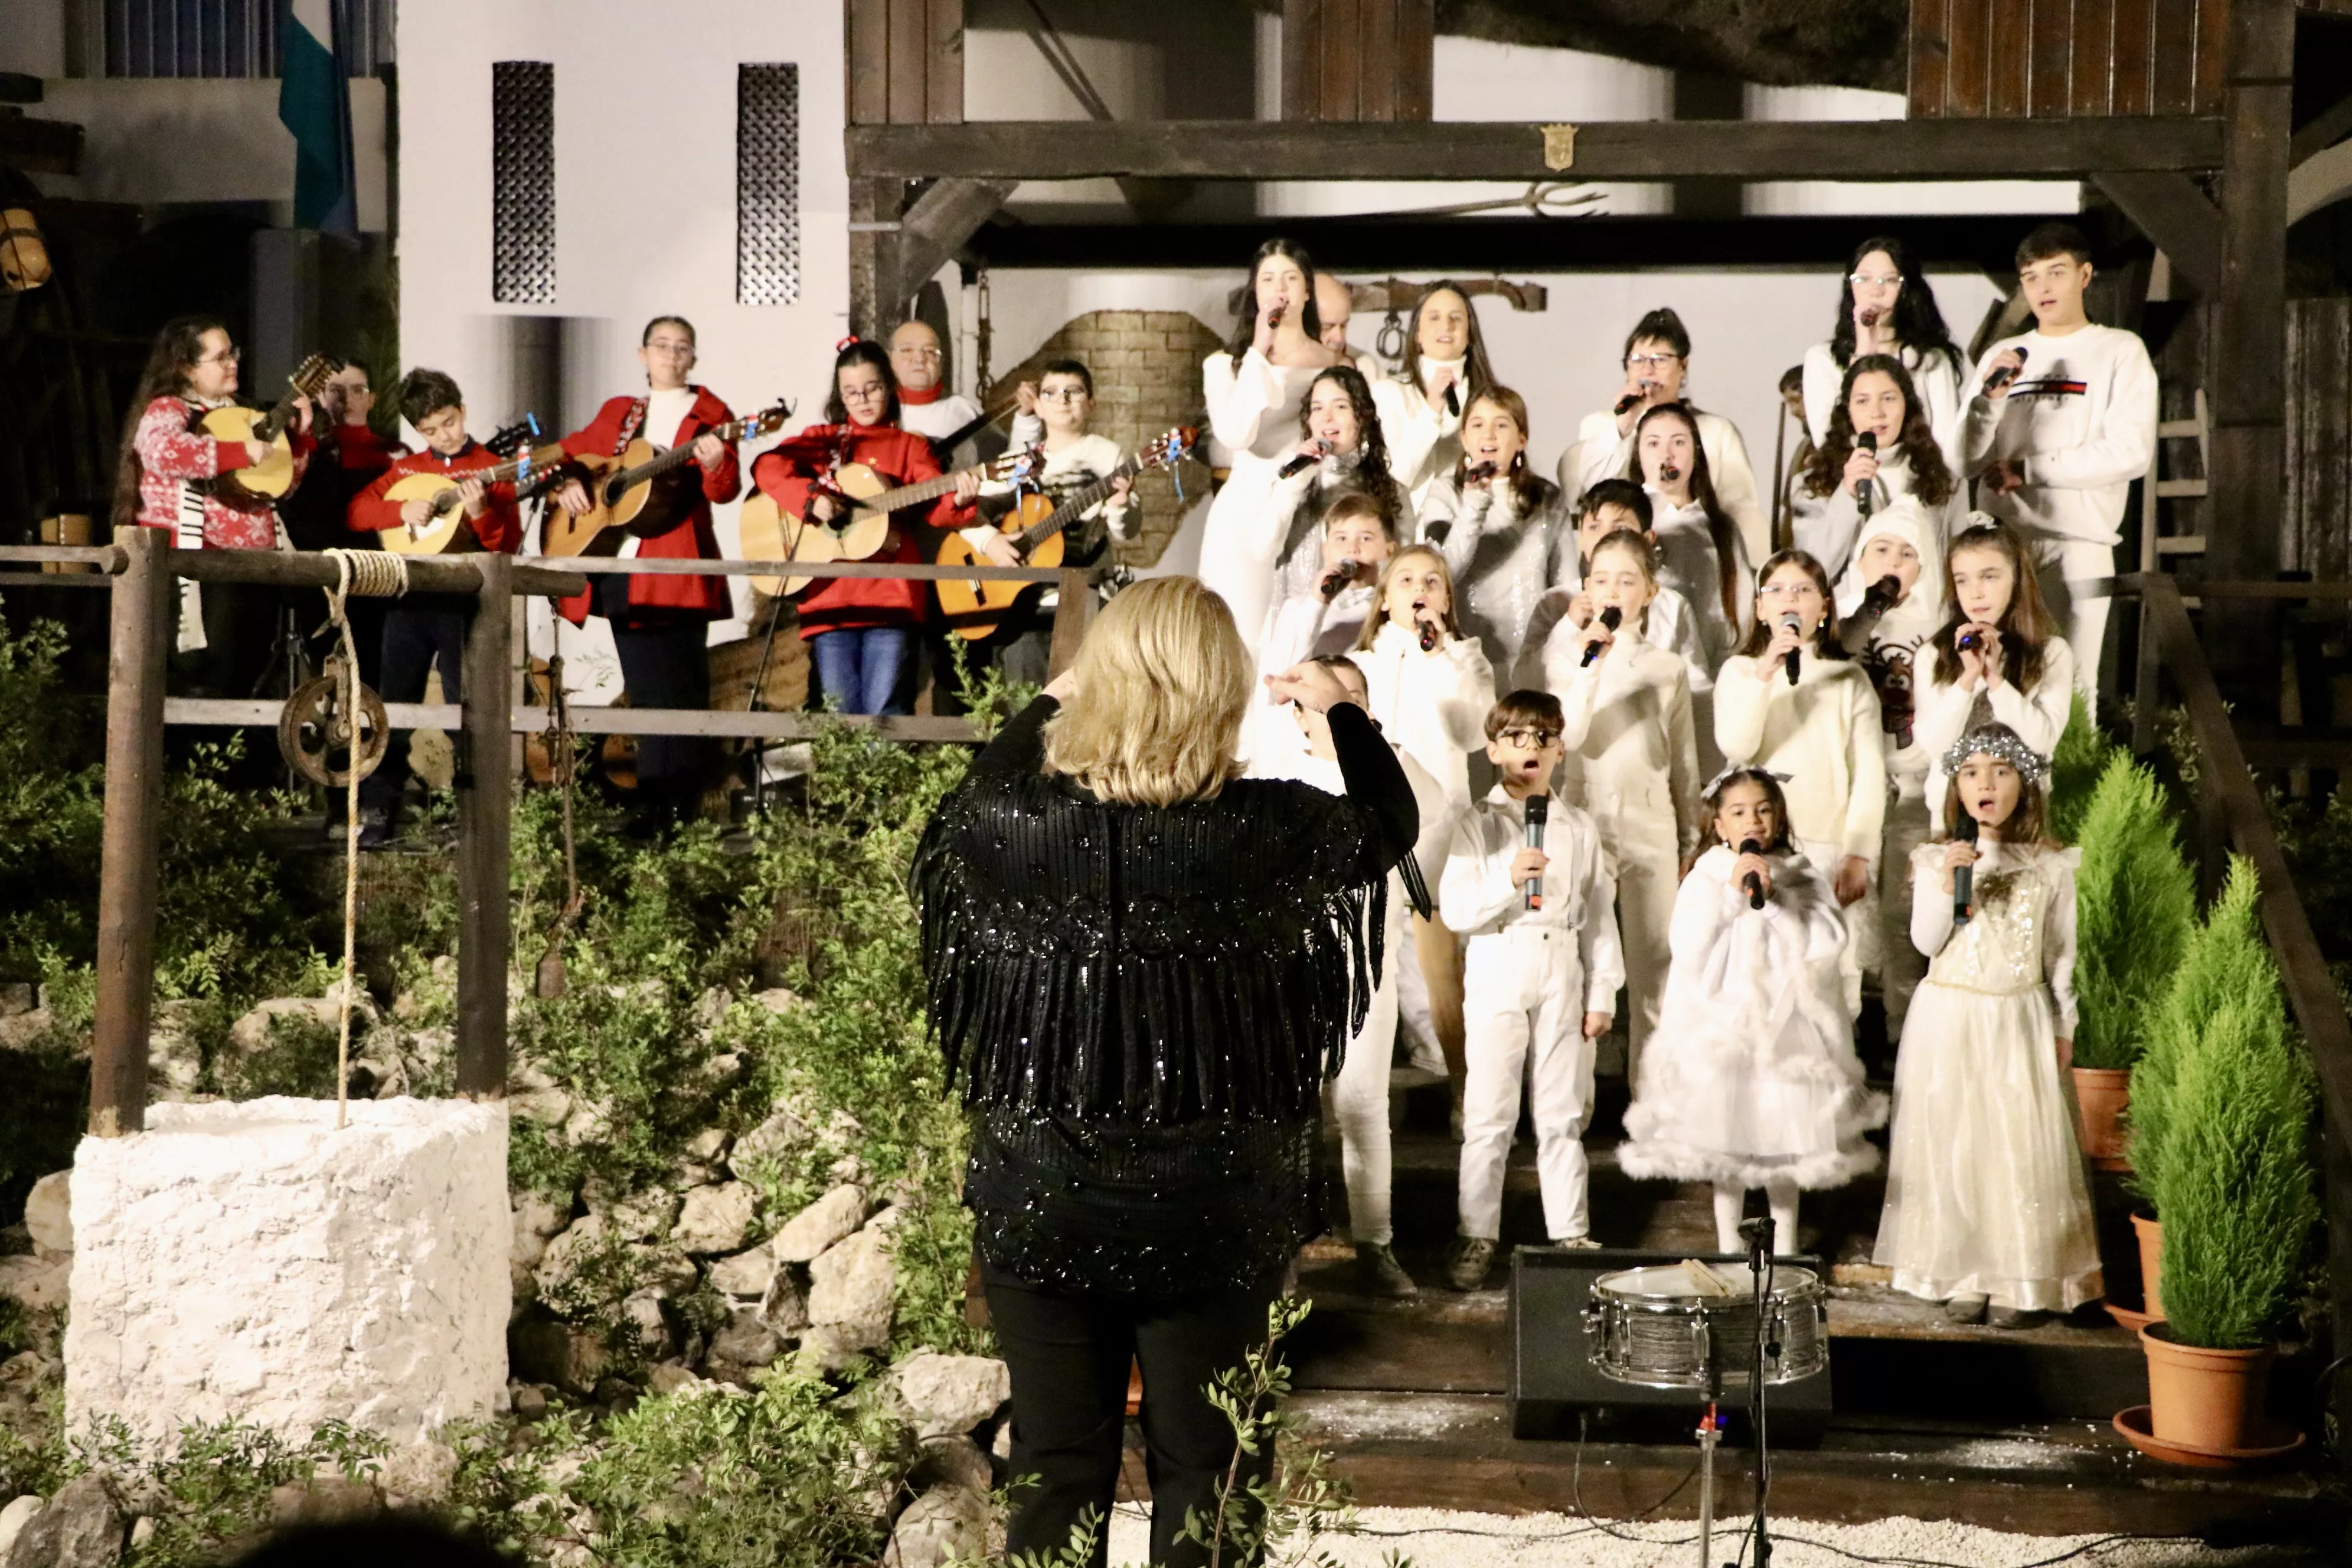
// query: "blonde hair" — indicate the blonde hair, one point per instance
point(1380, 616)
point(1162, 682)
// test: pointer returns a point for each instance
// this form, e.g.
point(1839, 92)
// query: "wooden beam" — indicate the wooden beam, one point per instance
point(2172, 211)
point(130, 838)
point(484, 835)
point(2326, 128)
point(1612, 150)
point(933, 229)
point(39, 146)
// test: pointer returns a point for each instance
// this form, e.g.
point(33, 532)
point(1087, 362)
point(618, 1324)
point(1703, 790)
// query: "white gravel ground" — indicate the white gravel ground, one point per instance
point(1438, 1538)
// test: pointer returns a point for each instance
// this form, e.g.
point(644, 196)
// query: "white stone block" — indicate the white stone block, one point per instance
point(250, 1262)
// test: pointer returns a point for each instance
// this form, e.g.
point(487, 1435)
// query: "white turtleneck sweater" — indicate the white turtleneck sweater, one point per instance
point(1824, 733)
point(1425, 443)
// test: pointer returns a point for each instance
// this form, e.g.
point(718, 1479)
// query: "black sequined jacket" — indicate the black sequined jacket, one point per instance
point(1140, 1004)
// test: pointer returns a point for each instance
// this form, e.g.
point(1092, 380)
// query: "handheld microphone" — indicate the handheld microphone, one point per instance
point(2006, 373)
point(1752, 882)
point(1964, 877)
point(1273, 317)
point(1538, 808)
point(1338, 577)
point(1453, 398)
point(1853, 632)
point(1793, 624)
point(1428, 632)
point(1609, 618)
point(1668, 474)
point(1303, 461)
point(1479, 475)
point(1866, 496)
point(1625, 404)
point(1870, 316)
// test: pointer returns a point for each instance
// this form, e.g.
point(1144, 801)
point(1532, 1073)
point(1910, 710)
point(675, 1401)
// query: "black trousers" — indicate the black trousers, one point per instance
point(419, 631)
point(664, 663)
point(1069, 1354)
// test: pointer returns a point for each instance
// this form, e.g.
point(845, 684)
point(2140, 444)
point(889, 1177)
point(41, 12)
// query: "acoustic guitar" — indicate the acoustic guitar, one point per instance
point(1034, 527)
point(259, 485)
point(641, 491)
point(771, 534)
point(448, 531)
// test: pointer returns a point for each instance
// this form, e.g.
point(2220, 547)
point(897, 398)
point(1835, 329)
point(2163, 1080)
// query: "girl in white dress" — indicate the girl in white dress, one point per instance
point(1423, 404)
point(1987, 1208)
point(1751, 1079)
point(1506, 532)
point(1886, 307)
point(1877, 400)
point(1636, 770)
point(1701, 555)
point(1253, 387)
point(1326, 617)
point(1341, 450)
point(1999, 657)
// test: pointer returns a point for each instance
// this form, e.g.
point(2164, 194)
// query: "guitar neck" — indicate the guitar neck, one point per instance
point(1071, 510)
point(907, 495)
point(663, 462)
point(272, 425)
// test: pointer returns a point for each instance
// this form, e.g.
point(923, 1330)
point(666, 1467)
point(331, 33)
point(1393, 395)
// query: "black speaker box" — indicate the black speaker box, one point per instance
point(1556, 1391)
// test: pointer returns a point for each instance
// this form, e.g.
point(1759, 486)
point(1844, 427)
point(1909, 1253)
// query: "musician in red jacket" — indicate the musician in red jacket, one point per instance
point(860, 630)
point(350, 458)
point(421, 630)
point(661, 624)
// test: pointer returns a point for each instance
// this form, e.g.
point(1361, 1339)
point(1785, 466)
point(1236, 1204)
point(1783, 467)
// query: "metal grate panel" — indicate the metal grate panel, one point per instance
point(230, 37)
point(522, 181)
point(767, 185)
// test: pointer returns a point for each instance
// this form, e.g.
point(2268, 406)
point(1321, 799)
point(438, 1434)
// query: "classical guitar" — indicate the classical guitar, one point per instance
point(771, 534)
point(1034, 526)
point(257, 487)
point(448, 531)
point(641, 491)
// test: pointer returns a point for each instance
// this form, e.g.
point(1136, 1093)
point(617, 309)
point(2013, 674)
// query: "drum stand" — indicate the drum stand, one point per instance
point(1710, 1433)
point(1757, 1233)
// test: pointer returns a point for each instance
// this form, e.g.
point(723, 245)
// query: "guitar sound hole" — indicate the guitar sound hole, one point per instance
point(609, 494)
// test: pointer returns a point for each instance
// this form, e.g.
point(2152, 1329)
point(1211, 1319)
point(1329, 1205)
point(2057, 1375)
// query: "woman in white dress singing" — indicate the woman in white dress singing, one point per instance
point(1423, 405)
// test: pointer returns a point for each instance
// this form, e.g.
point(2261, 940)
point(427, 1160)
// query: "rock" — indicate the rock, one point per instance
point(322, 1499)
point(784, 1308)
point(945, 1524)
point(821, 1224)
point(671, 1377)
point(526, 1401)
point(1000, 1446)
point(768, 1143)
point(718, 1219)
point(586, 1124)
point(720, 1070)
point(36, 1284)
point(746, 1341)
point(143, 1530)
point(536, 1222)
point(175, 1059)
point(952, 1462)
point(550, 1107)
point(825, 1349)
point(642, 1311)
point(12, 1520)
point(16, 997)
point(710, 1010)
point(747, 1275)
point(946, 1394)
point(851, 1289)
point(577, 1271)
point(779, 1000)
point(82, 1527)
point(49, 1212)
point(251, 1033)
point(417, 1473)
point(707, 1145)
point(638, 1216)
point(545, 1351)
point(663, 1272)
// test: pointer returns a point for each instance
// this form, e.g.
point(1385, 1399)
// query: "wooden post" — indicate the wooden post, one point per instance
point(1072, 617)
point(132, 834)
point(485, 813)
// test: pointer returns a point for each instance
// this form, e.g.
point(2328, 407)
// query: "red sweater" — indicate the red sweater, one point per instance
point(174, 453)
point(789, 473)
point(499, 528)
point(693, 538)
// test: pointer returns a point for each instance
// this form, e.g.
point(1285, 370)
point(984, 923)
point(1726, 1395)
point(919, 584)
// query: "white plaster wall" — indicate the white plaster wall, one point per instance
point(1791, 197)
point(250, 1262)
point(33, 39)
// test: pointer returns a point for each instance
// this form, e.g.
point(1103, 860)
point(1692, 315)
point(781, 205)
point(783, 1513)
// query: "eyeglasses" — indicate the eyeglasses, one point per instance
point(676, 350)
point(914, 350)
point(227, 356)
point(1876, 279)
point(1059, 394)
point(1534, 739)
point(1789, 590)
point(1650, 361)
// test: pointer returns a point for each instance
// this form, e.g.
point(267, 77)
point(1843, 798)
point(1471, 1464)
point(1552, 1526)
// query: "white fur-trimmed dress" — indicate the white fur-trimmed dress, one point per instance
point(1751, 1075)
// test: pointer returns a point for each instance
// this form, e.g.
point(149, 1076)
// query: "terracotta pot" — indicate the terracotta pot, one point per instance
point(2150, 1231)
point(2100, 1096)
point(2205, 1399)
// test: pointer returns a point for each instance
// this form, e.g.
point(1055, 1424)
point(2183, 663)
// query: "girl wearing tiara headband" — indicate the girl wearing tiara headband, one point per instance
point(1987, 1208)
point(1751, 1079)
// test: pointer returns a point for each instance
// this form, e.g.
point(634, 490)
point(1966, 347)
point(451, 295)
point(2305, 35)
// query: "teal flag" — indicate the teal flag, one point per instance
point(314, 100)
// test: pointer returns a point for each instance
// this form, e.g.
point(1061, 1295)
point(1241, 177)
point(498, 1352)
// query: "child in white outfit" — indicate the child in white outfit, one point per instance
point(1541, 979)
point(1327, 615)
point(1752, 1080)
point(1999, 658)
point(1987, 1208)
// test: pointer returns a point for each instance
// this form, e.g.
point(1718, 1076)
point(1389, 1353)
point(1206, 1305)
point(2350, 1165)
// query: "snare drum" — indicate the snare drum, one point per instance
point(1653, 1327)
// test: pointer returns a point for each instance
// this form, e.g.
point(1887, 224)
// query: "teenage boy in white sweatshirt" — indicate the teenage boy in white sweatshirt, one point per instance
point(2061, 421)
point(1540, 985)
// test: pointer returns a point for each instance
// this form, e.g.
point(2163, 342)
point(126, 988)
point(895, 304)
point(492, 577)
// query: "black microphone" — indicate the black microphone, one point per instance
point(1453, 398)
point(1853, 632)
point(1668, 473)
point(1964, 877)
point(1338, 578)
point(1304, 461)
point(1793, 623)
point(1864, 498)
point(2006, 373)
point(1609, 618)
point(1428, 631)
point(1752, 882)
point(1538, 808)
point(1625, 404)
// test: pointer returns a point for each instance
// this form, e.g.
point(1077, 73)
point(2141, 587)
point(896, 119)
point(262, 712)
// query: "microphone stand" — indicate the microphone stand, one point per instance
point(1757, 1233)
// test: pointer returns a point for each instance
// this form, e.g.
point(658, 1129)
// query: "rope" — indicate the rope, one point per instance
point(561, 758)
point(374, 574)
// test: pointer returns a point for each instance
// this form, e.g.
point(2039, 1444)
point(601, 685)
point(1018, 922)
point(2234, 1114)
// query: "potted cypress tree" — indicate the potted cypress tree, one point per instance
point(2134, 910)
point(2235, 1187)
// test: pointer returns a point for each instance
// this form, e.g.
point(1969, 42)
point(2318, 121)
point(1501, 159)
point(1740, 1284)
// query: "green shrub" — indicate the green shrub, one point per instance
point(2076, 764)
point(2135, 909)
point(2235, 1186)
point(2226, 960)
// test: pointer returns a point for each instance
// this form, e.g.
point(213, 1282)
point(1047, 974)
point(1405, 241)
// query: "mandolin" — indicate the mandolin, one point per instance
point(643, 491)
point(256, 488)
point(1035, 528)
point(771, 534)
point(448, 531)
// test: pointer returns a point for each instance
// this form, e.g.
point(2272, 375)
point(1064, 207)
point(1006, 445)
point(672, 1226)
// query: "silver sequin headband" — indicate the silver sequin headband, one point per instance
point(2000, 742)
point(1738, 770)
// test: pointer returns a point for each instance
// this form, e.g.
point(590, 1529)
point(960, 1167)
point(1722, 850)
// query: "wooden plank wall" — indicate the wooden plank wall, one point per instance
point(2317, 525)
point(2051, 58)
point(906, 62)
point(1358, 59)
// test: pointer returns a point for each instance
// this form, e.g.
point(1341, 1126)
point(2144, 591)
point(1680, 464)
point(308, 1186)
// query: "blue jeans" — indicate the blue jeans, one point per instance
point(859, 669)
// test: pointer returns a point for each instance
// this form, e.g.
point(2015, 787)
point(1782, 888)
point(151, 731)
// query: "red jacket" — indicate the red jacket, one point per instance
point(499, 528)
point(349, 456)
point(693, 538)
point(789, 473)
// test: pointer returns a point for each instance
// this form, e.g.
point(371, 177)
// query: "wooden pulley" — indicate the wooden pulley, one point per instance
point(313, 729)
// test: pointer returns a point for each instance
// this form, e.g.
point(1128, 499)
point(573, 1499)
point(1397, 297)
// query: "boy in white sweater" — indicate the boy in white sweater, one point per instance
point(1541, 979)
point(2061, 421)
